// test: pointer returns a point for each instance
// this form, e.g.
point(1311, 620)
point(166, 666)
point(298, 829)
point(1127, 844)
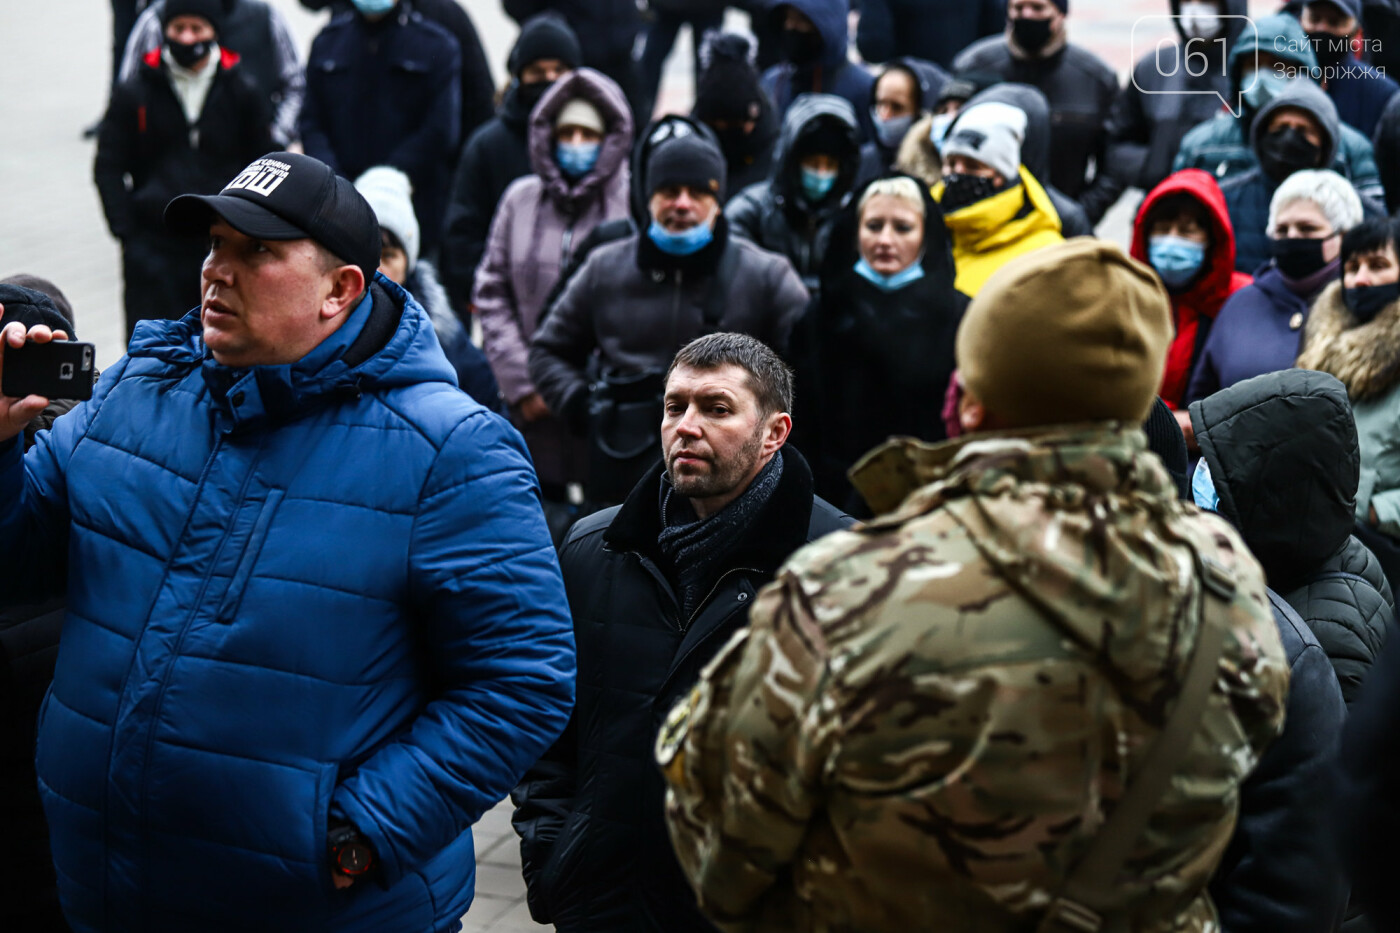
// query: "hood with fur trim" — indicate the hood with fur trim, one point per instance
point(1364, 356)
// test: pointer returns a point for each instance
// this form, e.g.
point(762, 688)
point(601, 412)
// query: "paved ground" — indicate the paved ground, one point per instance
point(52, 222)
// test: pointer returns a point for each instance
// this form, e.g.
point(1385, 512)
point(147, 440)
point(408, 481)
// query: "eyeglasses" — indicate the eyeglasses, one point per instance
point(670, 128)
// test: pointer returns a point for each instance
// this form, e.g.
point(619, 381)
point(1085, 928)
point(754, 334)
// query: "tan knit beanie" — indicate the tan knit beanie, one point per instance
point(1077, 331)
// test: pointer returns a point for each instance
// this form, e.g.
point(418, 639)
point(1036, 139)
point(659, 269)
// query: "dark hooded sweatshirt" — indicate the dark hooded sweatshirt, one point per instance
point(775, 214)
point(1282, 452)
point(1194, 309)
point(1248, 195)
point(832, 73)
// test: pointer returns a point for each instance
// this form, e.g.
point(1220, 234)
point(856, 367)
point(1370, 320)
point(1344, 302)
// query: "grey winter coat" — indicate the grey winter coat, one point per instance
point(775, 213)
point(636, 307)
point(539, 221)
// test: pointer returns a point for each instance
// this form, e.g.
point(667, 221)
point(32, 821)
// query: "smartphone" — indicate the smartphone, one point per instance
point(60, 369)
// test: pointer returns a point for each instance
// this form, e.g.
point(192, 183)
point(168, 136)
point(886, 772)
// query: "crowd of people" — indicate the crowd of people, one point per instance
point(791, 504)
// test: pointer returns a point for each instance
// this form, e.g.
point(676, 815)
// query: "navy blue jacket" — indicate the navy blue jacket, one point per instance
point(833, 74)
point(934, 30)
point(387, 93)
point(295, 593)
point(1254, 333)
point(1279, 873)
point(1361, 94)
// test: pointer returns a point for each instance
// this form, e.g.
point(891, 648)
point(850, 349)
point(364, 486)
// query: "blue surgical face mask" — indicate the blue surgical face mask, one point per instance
point(939, 131)
point(1267, 86)
point(817, 185)
point(1176, 259)
point(576, 159)
point(680, 244)
point(1203, 488)
point(374, 7)
point(890, 283)
point(891, 132)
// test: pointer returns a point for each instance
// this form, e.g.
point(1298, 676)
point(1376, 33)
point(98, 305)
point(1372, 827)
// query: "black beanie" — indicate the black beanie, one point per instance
point(828, 136)
point(545, 36)
point(728, 87)
point(212, 10)
point(31, 305)
point(1164, 438)
point(690, 160)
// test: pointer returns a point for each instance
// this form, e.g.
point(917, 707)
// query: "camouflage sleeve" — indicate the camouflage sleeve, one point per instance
point(743, 757)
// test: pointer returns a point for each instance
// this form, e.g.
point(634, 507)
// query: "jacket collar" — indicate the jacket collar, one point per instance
point(384, 345)
point(1015, 212)
point(781, 528)
point(906, 477)
point(1365, 357)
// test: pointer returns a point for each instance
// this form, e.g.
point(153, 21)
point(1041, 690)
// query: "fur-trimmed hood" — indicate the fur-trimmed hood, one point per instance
point(917, 155)
point(1365, 357)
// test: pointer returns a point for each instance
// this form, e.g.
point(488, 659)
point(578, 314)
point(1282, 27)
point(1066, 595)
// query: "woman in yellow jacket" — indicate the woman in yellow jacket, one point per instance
point(993, 207)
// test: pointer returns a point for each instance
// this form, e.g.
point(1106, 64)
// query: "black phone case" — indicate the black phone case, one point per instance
point(62, 369)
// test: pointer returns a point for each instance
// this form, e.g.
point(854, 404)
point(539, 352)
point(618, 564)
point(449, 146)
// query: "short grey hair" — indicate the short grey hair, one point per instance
point(901, 189)
point(1332, 194)
point(770, 379)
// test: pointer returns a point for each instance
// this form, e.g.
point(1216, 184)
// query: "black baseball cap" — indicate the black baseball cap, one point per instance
point(287, 196)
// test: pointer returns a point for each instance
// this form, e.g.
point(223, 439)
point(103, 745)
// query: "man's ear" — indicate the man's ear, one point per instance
point(779, 427)
point(971, 414)
point(347, 287)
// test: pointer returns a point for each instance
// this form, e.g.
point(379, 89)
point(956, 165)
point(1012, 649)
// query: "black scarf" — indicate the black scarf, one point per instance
point(695, 547)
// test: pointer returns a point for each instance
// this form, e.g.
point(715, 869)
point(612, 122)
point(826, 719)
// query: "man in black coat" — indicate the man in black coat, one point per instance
point(384, 89)
point(498, 152)
point(187, 121)
point(657, 586)
point(1079, 85)
point(478, 89)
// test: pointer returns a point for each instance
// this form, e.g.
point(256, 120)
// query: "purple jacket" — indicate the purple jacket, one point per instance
point(541, 217)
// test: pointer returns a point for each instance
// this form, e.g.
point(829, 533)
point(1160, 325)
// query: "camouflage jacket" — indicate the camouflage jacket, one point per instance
point(930, 715)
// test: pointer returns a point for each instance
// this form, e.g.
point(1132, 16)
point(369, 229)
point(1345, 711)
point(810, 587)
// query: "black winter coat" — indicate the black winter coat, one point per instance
point(594, 847)
point(146, 137)
point(1282, 450)
point(935, 30)
point(1080, 88)
point(496, 154)
point(478, 88)
point(28, 649)
point(606, 29)
point(775, 214)
point(386, 93)
point(873, 364)
point(1279, 873)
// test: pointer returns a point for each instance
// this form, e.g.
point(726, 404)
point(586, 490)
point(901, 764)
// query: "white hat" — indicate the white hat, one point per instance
point(390, 194)
point(991, 133)
point(579, 112)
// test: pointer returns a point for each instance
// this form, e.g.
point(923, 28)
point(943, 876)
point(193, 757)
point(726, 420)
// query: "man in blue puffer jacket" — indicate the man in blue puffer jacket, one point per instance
point(315, 627)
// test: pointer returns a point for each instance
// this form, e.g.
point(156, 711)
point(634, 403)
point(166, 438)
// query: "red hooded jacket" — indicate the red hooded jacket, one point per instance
point(1218, 282)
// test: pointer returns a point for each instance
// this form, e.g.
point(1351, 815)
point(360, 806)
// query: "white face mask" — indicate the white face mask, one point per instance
point(1200, 20)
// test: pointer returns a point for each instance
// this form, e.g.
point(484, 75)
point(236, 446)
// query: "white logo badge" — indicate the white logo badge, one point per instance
point(263, 177)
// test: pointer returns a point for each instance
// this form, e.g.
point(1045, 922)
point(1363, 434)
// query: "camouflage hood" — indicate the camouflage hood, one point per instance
point(1082, 520)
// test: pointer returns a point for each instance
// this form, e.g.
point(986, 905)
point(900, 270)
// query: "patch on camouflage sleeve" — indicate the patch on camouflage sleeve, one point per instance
point(669, 740)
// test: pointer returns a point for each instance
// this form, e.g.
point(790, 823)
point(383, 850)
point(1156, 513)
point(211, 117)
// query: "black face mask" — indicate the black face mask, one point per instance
point(1031, 34)
point(800, 48)
point(1366, 301)
point(1330, 50)
point(1297, 258)
point(529, 94)
point(735, 143)
point(187, 54)
point(1285, 151)
point(961, 190)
